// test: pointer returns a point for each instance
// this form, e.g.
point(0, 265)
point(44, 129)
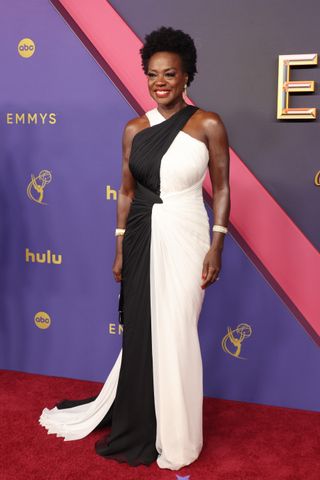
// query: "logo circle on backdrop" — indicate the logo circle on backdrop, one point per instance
point(42, 320)
point(26, 47)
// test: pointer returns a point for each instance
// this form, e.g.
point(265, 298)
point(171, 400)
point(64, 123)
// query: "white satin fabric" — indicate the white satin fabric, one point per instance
point(179, 241)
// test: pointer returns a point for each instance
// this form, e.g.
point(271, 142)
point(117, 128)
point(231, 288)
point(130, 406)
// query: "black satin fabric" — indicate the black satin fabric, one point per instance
point(132, 415)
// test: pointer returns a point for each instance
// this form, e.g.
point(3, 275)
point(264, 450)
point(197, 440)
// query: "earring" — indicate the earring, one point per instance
point(185, 89)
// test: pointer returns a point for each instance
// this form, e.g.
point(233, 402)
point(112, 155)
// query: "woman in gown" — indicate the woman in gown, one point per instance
point(152, 397)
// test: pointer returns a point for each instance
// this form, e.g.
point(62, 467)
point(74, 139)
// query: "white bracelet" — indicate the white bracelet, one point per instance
point(219, 228)
point(119, 231)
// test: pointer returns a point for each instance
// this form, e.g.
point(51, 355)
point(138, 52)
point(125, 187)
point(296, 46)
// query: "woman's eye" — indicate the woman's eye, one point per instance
point(171, 74)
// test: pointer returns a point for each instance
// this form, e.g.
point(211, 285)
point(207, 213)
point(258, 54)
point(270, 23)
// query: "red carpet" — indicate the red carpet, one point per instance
point(242, 441)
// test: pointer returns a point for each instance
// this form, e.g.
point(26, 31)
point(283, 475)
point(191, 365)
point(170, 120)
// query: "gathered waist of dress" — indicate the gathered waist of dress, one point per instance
point(184, 207)
point(192, 193)
point(184, 204)
point(143, 194)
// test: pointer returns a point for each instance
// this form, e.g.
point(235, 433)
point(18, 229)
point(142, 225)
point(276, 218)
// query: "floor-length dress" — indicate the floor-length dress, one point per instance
point(152, 397)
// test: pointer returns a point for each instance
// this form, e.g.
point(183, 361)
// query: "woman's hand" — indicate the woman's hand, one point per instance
point(117, 267)
point(211, 267)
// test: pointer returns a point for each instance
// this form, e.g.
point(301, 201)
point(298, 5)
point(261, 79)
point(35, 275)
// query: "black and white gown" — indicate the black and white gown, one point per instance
point(153, 395)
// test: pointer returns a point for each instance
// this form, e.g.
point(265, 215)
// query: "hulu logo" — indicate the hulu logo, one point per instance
point(47, 257)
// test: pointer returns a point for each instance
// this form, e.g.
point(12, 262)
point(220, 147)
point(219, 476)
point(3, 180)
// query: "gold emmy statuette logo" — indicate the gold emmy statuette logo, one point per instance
point(37, 185)
point(42, 320)
point(232, 341)
point(287, 86)
point(317, 179)
point(26, 48)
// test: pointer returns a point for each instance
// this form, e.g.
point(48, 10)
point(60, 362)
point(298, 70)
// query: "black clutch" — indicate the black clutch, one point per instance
point(120, 306)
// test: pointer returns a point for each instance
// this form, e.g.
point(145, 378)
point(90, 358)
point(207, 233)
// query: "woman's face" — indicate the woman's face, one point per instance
point(166, 78)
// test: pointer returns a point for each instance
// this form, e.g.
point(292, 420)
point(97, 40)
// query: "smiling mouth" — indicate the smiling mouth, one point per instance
point(162, 93)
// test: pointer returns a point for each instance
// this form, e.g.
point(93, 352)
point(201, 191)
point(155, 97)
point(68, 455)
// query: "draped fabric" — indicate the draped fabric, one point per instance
point(152, 398)
point(150, 145)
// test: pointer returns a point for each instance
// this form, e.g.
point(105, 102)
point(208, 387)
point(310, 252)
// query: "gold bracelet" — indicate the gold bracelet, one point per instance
point(119, 231)
point(219, 228)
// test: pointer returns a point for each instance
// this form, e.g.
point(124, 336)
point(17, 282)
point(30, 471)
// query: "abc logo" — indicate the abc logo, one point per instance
point(42, 320)
point(26, 47)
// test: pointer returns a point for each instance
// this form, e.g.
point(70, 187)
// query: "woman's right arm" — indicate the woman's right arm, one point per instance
point(126, 191)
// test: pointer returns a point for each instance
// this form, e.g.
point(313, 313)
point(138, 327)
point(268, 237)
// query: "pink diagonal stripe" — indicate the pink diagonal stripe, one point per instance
point(284, 251)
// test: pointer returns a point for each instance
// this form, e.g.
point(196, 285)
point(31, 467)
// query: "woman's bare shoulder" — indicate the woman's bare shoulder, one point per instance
point(135, 125)
point(211, 124)
point(210, 117)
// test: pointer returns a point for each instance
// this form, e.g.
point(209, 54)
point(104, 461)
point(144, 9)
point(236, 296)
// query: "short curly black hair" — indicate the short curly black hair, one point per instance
point(171, 40)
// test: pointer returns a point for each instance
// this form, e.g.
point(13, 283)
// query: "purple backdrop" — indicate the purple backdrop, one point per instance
point(80, 145)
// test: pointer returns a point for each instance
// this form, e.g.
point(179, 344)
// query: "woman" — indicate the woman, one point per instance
point(152, 398)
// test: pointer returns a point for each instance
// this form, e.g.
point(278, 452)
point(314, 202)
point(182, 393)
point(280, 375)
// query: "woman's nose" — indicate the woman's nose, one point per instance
point(160, 81)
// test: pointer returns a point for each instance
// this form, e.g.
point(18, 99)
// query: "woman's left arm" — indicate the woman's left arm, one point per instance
point(218, 146)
